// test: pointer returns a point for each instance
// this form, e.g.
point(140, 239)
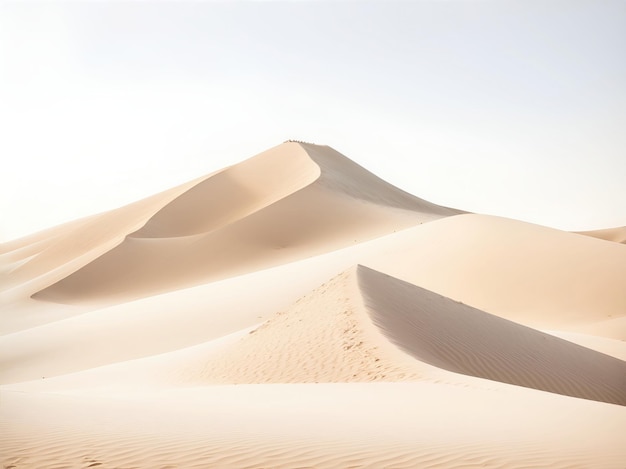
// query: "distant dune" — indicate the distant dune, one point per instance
point(294, 310)
point(617, 235)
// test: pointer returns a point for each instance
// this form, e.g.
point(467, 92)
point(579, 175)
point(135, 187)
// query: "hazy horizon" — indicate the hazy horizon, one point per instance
point(514, 109)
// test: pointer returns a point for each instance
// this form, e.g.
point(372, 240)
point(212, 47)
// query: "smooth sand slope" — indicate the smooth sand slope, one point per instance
point(365, 425)
point(530, 274)
point(294, 310)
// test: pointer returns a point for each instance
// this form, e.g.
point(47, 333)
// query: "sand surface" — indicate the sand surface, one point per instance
point(294, 311)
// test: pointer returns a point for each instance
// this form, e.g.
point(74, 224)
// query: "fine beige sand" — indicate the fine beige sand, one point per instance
point(617, 235)
point(294, 311)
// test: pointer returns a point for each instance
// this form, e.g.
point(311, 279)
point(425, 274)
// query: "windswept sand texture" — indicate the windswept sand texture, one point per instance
point(294, 310)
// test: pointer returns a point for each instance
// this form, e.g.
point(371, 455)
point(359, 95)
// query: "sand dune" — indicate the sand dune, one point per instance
point(530, 274)
point(334, 334)
point(328, 336)
point(294, 310)
point(617, 235)
point(242, 220)
point(325, 337)
point(426, 255)
point(51, 255)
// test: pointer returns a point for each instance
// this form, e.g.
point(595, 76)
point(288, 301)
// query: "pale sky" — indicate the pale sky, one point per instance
point(515, 109)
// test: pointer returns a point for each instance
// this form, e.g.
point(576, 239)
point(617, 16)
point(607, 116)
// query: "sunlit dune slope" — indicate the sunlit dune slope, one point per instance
point(528, 273)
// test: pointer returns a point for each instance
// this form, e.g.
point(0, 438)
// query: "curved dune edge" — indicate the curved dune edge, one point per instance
point(459, 338)
point(291, 202)
point(233, 193)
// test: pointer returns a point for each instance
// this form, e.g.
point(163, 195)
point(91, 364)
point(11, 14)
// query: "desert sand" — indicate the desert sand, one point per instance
point(294, 310)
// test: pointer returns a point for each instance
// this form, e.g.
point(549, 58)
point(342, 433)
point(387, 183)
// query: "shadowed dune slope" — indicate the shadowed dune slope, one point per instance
point(341, 174)
point(288, 203)
point(456, 337)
